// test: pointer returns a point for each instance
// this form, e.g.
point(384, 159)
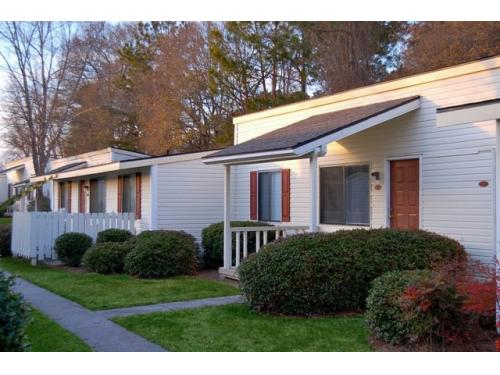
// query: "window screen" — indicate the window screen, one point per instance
point(63, 196)
point(269, 196)
point(128, 196)
point(345, 195)
point(98, 195)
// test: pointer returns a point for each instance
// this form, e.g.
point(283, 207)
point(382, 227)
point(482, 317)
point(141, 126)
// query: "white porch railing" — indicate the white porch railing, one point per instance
point(261, 236)
point(34, 233)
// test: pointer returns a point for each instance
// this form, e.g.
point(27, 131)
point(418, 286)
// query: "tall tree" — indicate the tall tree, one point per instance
point(351, 54)
point(104, 113)
point(44, 74)
point(434, 45)
point(258, 65)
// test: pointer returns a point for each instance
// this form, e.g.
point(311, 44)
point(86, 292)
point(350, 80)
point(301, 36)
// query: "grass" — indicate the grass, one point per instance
point(100, 292)
point(46, 336)
point(5, 220)
point(236, 328)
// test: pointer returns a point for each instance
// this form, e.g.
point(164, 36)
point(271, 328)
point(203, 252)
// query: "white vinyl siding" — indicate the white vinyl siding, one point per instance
point(190, 196)
point(454, 159)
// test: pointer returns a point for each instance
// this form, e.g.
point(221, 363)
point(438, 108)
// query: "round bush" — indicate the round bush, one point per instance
point(113, 235)
point(5, 237)
point(321, 273)
point(162, 253)
point(14, 317)
point(106, 257)
point(70, 247)
point(213, 241)
point(408, 307)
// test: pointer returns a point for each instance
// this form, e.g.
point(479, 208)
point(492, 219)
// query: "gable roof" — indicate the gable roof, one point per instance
point(315, 128)
point(474, 66)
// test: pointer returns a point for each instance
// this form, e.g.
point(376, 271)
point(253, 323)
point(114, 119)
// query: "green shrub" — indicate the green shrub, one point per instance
point(70, 247)
point(161, 254)
point(409, 307)
point(327, 272)
point(5, 238)
point(106, 257)
point(113, 235)
point(213, 241)
point(14, 317)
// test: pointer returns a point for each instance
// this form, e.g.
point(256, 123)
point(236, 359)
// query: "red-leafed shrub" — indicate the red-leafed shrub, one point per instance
point(446, 308)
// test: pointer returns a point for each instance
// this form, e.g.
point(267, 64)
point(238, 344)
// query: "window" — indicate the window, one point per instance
point(98, 195)
point(63, 196)
point(269, 196)
point(345, 195)
point(128, 195)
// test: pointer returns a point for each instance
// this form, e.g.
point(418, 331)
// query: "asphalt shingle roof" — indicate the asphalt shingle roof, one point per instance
point(66, 167)
point(310, 129)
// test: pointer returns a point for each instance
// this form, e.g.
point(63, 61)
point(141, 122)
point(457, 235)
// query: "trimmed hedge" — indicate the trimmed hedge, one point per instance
point(321, 273)
point(14, 317)
point(5, 238)
point(161, 254)
point(70, 247)
point(213, 241)
point(106, 257)
point(113, 235)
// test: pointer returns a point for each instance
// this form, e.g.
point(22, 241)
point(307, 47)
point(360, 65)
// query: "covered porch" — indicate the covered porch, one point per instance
point(305, 142)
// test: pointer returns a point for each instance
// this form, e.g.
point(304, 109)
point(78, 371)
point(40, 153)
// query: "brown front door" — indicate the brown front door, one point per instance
point(405, 203)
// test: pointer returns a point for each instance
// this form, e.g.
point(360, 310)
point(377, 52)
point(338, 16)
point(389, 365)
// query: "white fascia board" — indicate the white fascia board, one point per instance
point(163, 160)
point(98, 169)
point(250, 158)
point(124, 165)
point(363, 125)
point(469, 114)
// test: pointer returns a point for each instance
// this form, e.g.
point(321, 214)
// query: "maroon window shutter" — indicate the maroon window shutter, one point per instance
point(138, 185)
point(253, 195)
point(285, 195)
point(69, 197)
point(81, 197)
point(120, 194)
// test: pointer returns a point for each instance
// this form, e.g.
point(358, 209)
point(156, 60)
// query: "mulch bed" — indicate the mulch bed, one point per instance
point(214, 275)
point(484, 341)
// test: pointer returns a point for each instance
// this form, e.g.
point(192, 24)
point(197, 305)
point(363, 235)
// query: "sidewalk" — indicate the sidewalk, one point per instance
point(99, 333)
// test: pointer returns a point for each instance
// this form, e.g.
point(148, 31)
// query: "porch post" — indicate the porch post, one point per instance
point(313, 181)
point(227, 217)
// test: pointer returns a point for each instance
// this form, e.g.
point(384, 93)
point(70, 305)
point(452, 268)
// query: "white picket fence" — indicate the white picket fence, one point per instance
point(34, 233)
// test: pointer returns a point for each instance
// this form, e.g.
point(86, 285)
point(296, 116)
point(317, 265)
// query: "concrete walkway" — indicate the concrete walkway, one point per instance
point(93, 328)
point(172, 306)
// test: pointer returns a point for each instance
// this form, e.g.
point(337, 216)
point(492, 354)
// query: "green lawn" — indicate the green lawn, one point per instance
point(99, 292)
point(46, 336)
point(5, 220)
point(236, 328)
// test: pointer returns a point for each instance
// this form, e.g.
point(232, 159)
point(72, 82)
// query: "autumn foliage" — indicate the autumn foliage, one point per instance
point(447, 308)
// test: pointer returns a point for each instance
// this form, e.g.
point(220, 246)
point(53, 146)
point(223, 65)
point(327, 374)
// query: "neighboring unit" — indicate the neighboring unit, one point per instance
point(177, 192)
point(414, 153)
point(14, 179)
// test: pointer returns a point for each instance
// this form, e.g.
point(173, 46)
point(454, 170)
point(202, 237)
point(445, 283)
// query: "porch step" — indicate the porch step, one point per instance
point(229, 273)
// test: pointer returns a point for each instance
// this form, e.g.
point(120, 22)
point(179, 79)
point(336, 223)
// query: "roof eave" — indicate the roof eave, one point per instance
point(307, 148)
point(254, 157)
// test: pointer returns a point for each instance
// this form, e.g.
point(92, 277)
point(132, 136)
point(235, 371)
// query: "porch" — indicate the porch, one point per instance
point(242, 249)
point(291, 158)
